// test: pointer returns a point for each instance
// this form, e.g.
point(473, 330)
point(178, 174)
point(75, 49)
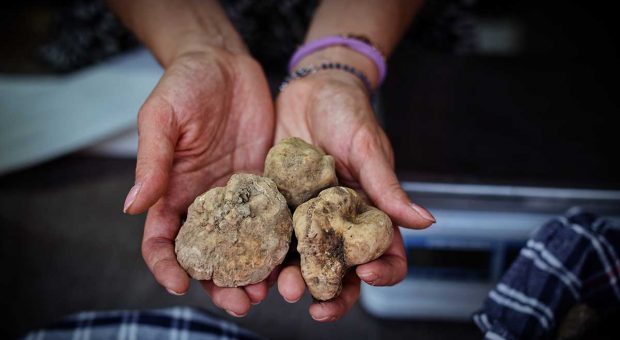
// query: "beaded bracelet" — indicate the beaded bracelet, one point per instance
point(357, 43)
point(304, 71)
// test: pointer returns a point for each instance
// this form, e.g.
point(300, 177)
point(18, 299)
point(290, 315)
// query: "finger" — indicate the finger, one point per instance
point(291, 284)
point(234, 301)
point(157, 139)
point(378, 179)
point(334, 309)
point(390, 268)
point(273, 277)
point(160, 230)
point(256, 292)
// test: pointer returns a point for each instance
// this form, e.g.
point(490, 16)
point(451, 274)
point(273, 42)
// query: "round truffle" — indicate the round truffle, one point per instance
point(300, 170)
point(237, 234)
point(335, 231)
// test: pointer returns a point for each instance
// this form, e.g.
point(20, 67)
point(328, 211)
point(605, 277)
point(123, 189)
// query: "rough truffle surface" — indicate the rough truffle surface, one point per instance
point(237, 234)
point(335, 231)
point(300, 170)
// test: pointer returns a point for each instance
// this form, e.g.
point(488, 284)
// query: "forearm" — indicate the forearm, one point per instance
point(382, 21)
point(171, 28)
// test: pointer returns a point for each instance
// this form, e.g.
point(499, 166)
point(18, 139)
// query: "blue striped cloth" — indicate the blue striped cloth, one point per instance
point(570, 260)
point(182, 323)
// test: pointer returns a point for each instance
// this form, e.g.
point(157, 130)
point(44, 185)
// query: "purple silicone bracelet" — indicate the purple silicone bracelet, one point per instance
point(366, 49)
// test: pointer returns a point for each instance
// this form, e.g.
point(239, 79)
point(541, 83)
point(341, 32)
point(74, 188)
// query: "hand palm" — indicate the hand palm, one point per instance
point(338, 117)
point(333, 112)
point(210, 116)
point(225, 124)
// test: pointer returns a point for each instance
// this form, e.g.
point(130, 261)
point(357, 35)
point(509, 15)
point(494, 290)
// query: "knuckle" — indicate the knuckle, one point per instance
point(217, 297)
point(341, 307)
point(153, 252)
point(160, 265)
point(399, 272)
point(147, 252)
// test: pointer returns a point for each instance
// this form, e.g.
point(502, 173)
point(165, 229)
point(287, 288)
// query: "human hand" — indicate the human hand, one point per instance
point(331, 109)
point(209, 116)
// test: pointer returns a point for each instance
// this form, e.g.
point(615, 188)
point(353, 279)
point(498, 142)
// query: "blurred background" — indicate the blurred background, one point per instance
point(500, 114)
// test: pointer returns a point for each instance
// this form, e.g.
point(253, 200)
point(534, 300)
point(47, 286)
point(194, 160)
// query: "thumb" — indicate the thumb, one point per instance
point(158, 133)
point(379, 181)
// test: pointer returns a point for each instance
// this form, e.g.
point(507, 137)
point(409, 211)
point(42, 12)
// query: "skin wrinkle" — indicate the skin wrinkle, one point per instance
point(226, 157)
point(186, 166)
point(215, 33)
point(164, 210)
point(365, 138)
point(196, 149)
point(195, 65)
point(219, 31)
point(193, 168)
point(165, 224)
point(168, 125)
point(397, 263)
point(344, 174)
point(238, 140)
point(145, 171)
point(345, 101)
point(173, 28)
point(197, 90)
point(319, 93)
point(217, 176)
point(363, 149)
point(153, 243)
point(161, 263)
point(342, 303)
point(240, 162)
point(383, 200)
point(308, 123)
point(236, 132)
point(171, 122)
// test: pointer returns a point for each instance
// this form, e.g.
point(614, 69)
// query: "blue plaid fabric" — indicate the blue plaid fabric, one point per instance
point(183, 323)
point(572, 259)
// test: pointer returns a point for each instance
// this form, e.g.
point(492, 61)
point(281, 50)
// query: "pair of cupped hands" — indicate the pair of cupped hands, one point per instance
point(212, 115)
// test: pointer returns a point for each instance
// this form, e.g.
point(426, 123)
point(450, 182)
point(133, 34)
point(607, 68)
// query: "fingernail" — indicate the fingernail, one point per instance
point(368, 276)
point(131, 196)
point(235, 314)
point(174, 293)
point(422, 212)
point(291, 301)
point(322, 318)
point(255, 303)
point(328, 318)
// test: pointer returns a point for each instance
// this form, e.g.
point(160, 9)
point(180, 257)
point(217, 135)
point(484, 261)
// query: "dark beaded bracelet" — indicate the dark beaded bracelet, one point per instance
point(304, 71)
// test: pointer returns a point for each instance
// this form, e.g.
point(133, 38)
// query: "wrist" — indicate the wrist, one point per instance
point(343, 55)
point(178, 27)
point(346, 56)
point(205, 28)
point(199, 42)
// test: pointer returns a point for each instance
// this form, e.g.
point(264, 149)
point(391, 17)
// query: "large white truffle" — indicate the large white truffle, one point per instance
point(237, 234)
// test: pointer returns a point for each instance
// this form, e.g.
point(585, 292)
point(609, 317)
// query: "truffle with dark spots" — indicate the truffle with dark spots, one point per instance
point(336, 231)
